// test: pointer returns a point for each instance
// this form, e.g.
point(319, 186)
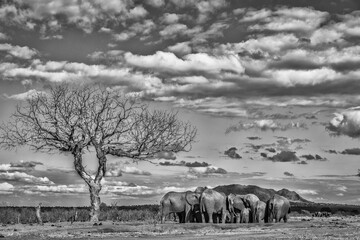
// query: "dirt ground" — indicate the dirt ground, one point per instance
point(296, 228)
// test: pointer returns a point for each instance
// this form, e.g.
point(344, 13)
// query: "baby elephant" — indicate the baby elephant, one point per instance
point(245, 216)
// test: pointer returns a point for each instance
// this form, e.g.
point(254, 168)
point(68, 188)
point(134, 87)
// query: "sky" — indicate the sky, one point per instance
point(259, 79)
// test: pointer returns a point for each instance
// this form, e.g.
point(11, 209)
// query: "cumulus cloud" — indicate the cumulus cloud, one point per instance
point(206, 170)
point(292, 19)
point(198, 62)
point(117, 169)
point(218, 106)
point(62, 71)
point(264, 125)
point(349, 24)
point(292, 78)
point(272, 44)
point(307, 191)
point(182, 48)
point(18, 51)
point(24, 177)
point(85, 15)
point(73, 188)
point(26, 95)
point(346, 123)
point(135, 171)
point(254, 15)
point(19, 166)
point(6, 188)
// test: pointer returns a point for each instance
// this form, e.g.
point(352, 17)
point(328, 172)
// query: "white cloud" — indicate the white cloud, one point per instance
point(118, 168)
point(138, 12)
point(275, 43)
point(171, 31)
point(293, 19)
point(255, 15)
point(168, 62)
point(4, 187)
point(170, 18)
point(123, 36)
point(71, 71)
point(182, 48)
point(3, 36)
point(134, 170)
point(18, 51)
point(206, 170)
point(292, 78)
point(74, 188)
point(264, 125)
point(324, 35)
point(26, 95)
point(349, 24)
point(346, 123)
point(24, 177)
point(219, 106)
point(307, 192)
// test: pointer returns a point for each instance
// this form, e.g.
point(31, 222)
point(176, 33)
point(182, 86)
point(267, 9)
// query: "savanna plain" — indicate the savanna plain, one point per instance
point(143, 223)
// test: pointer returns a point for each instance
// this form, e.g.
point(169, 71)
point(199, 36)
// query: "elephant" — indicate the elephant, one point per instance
point(250, 201)
point(213, 203)
point(260, 211)
point(184, 204)
point(277, 207)
point(245, 215)
point(235, 205)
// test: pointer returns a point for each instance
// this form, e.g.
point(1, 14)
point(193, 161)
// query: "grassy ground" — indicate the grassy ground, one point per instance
point(299, 227)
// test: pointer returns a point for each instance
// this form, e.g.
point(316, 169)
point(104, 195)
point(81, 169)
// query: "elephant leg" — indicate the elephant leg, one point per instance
point(203, 217)
point(285, 218)
point(210, 214)
point(237, 218)
point(223, 215)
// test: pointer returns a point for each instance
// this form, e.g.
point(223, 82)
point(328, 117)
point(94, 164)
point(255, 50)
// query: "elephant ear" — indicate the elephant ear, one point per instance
point(192, 198)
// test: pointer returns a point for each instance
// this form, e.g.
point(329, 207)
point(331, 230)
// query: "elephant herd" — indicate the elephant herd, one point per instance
point(210, 206)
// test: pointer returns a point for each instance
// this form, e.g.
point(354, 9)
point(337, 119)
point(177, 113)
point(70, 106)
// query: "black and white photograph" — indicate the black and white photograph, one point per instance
point(179, 119)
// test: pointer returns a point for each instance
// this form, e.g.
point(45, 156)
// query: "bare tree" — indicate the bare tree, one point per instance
point(75, 120)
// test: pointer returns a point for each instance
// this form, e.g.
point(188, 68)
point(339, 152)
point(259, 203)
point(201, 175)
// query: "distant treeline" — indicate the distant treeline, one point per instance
point(343, 209)
point(146, 213)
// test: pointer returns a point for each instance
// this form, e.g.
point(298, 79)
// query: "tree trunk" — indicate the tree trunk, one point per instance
point(95, 189)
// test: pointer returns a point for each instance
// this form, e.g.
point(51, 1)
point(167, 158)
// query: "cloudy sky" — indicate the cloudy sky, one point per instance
point(259, 79)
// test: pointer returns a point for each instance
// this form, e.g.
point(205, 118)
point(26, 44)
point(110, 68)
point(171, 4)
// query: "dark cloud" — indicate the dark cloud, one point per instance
point(313, 157)
point(254, 138)
point(288, 174)
point(284, 156)
point(185, 164)
point(351, 151)
point(270, 149)
point(302, 162)
point(30, 164)
point(231, 152)
point(331, 151)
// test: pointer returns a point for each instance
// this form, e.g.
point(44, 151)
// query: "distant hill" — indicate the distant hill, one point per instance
point(263, 193)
